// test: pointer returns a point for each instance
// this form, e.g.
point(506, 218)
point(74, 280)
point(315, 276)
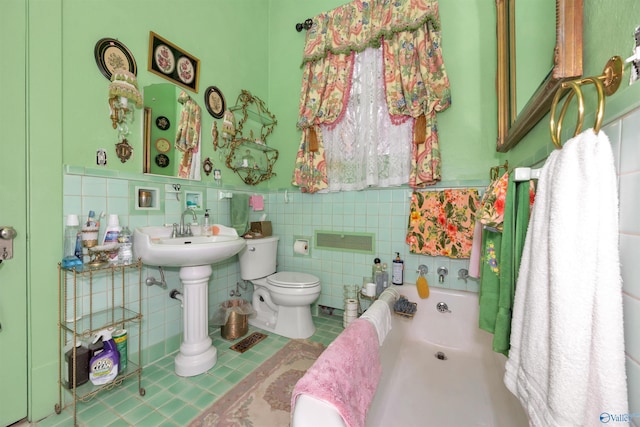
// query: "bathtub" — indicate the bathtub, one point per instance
point(438, 369)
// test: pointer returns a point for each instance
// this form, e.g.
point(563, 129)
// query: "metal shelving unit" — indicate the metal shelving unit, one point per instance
point(104, 296)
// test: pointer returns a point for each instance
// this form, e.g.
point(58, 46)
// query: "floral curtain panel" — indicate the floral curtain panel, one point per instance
point(416, 82)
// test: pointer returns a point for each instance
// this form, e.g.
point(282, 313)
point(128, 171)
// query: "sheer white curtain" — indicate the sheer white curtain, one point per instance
point(365, 149)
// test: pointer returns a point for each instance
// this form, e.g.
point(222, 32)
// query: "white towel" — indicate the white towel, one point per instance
point(379, 315)
point(566, 362)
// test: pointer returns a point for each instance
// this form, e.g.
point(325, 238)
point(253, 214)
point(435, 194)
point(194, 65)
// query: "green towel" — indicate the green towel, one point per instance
point(240, 213)
point(502, 253)
point(490, 279)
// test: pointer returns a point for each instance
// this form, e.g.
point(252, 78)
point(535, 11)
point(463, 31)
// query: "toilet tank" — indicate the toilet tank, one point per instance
point(258, 258)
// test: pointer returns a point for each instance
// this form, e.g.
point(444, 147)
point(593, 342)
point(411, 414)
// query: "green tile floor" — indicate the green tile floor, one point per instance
point(173, 401)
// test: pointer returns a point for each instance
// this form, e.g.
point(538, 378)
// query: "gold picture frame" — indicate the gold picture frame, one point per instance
point(567, 59)
point(172, 63)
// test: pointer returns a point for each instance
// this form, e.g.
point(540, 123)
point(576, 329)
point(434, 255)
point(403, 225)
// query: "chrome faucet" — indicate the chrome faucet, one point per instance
point(186, 230)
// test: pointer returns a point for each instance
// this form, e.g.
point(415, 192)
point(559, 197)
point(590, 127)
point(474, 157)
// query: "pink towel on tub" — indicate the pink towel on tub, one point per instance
point(346, 374)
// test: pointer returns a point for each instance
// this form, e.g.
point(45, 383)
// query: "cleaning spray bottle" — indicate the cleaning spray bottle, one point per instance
point(397, 274)
point(103, 367)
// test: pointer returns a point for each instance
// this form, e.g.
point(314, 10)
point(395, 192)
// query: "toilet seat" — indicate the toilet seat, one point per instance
point(292, 279)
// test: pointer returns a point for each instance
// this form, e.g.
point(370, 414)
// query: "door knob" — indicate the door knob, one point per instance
point(7, 233)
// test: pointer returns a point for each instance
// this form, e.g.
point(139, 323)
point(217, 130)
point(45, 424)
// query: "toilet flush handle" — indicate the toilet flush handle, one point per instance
point(251, 248)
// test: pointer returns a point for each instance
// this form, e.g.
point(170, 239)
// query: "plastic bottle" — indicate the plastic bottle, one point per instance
point(207, 227)
point(397, 274)
point(111, 235)
point(125, 253)
point(112, 230)
point(91, 219)
point(103, 367)
point(81, 365)
point(70, 256)
point(375, 268)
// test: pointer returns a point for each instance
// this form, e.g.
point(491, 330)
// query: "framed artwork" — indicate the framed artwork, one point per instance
point(172, 63)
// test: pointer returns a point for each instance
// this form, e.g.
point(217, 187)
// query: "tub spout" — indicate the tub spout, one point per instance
point(442, 271)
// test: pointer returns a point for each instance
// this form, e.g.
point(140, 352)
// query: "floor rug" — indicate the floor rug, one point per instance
point(263, 398)
point(248, 342)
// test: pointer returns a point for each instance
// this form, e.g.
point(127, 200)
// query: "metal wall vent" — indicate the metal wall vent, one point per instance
point(354, 242)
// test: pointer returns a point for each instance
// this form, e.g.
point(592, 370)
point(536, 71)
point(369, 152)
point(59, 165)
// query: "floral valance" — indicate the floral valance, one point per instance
point(360, 24)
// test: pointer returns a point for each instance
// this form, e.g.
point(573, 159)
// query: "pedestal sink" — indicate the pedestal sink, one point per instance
point(194, 255)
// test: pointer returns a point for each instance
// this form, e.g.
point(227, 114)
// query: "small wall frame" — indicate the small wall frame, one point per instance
point(172, 63)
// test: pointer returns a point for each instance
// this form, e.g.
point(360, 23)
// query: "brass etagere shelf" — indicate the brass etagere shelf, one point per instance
point(251, 110)
point(74, 325)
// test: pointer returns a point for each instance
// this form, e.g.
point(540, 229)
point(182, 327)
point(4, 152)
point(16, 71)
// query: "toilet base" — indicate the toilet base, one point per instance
point(291, 322)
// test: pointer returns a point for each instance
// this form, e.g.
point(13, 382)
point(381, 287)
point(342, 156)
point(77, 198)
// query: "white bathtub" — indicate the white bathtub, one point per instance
point(418, 389)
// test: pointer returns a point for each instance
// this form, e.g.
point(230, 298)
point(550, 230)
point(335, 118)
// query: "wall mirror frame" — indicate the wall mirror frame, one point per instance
point(567, 60)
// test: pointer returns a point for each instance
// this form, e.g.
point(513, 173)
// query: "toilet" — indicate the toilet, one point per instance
point(282, 300)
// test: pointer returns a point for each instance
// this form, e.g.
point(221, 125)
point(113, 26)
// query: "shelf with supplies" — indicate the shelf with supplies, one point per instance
point(92, 299)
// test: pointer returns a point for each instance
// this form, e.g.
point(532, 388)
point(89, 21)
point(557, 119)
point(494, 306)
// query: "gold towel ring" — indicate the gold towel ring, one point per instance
point(606, 84)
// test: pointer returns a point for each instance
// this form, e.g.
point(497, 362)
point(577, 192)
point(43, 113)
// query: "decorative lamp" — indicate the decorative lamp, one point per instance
point(123, 87)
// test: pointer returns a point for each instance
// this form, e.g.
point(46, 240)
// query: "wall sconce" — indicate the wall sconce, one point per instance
point(123, 87)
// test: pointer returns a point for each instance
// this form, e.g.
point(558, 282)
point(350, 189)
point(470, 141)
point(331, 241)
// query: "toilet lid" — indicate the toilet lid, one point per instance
point(292, 279)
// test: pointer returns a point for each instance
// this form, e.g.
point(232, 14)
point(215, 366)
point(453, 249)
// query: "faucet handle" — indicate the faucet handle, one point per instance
point(174, 232)
point(187, 230)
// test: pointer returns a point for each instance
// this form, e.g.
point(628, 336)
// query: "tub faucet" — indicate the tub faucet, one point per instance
point(442, 271)
point(186, 230)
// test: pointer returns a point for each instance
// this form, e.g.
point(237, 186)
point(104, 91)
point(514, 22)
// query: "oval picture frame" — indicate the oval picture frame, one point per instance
point(214, 101)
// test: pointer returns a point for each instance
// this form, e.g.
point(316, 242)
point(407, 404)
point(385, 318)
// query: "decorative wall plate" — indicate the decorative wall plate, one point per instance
point(214, 101)
point(112, 55)
point(163, 123)
point(163, 145)
point(162, 160)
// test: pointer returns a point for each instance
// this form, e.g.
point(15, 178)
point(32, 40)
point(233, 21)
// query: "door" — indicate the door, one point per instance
point(13, 196)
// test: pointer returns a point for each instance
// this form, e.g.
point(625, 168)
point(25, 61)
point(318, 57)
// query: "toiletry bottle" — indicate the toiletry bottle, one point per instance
point(81, 365)
point(207, 227)
point(375, 268)
point(103, 367)
point(91, 219)
point(385, 277)
point(125, 252)
point(111, 235)
point(112, 230)
point(70, 258)
point(397, 275)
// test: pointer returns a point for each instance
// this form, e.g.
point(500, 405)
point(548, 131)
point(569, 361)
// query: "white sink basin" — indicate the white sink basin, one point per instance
point(155, 246)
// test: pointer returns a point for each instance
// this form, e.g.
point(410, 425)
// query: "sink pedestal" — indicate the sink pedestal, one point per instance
point(197, 354)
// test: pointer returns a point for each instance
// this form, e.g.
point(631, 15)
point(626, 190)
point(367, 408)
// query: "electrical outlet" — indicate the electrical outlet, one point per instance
point(101, 157)
point(635, 58)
